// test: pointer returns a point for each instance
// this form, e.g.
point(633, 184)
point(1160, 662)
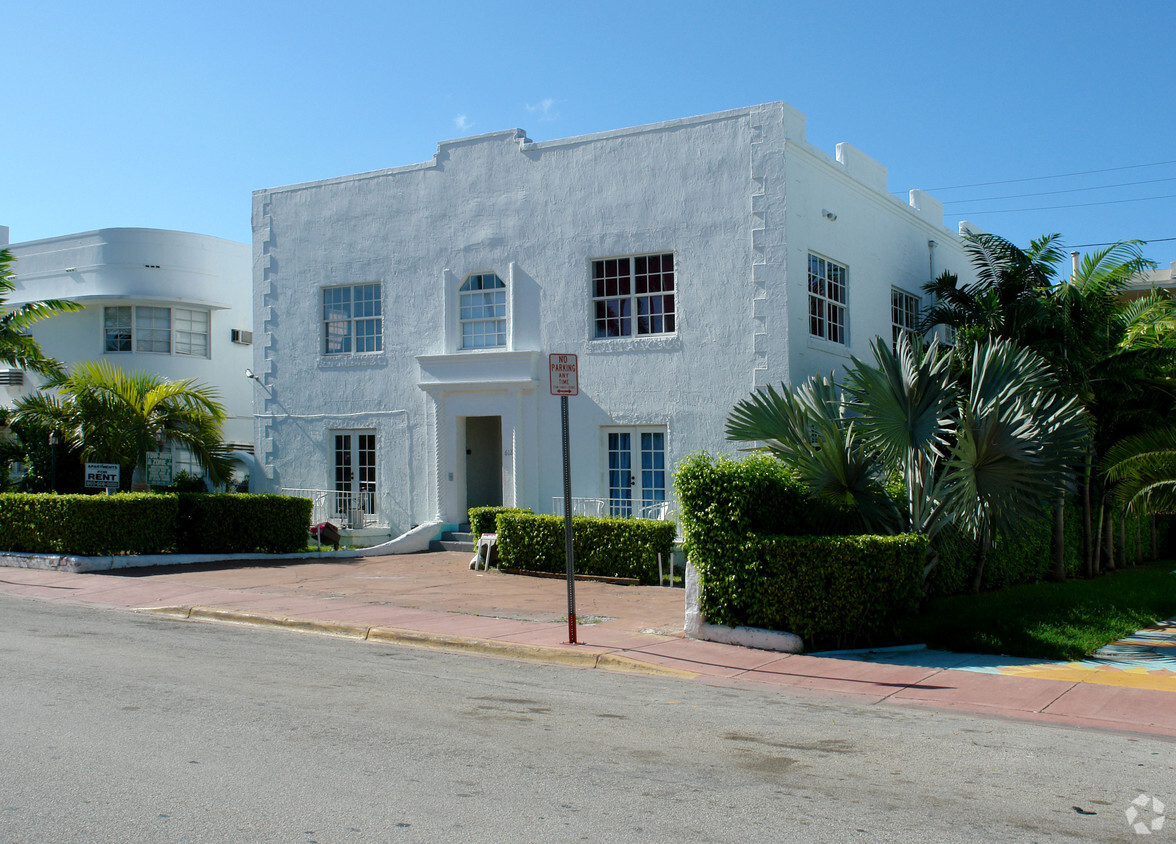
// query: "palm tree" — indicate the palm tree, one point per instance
point(1105, 352)
point(114, 417)
point(17, 347)
point(980, 454)
point(1143, 469)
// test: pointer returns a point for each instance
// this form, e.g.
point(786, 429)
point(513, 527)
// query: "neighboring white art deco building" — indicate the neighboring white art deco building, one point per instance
point(172, 303)
point(403, 318)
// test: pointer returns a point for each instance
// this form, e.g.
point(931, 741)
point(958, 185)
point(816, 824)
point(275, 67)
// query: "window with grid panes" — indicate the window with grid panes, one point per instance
point(904, 314)
point(191, 332)
point(152, 329)
point(352, 321)
point(117, 329)
point(633, 296)
point(482, 311)
point(827, 299)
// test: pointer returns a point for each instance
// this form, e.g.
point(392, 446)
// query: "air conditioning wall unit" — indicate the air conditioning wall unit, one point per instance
point(240, 335)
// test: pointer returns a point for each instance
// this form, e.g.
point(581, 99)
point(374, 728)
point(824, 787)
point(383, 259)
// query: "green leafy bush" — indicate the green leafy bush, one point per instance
point(150, 523)
point(237, 523)
point(750, 532)
point(482, 519)
point(88, 525)
point(603, 546)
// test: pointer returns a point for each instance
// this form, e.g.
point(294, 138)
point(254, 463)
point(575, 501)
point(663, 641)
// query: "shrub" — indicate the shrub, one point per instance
point(150, 523)
point(482, 519)
point(603, 546)
point(88, 525)
point(229, 522)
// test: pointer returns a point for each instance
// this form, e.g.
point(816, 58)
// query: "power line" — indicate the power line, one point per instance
point(1147, 240)
point(1058, 176)
point(1055, 192)
point(1056, 207)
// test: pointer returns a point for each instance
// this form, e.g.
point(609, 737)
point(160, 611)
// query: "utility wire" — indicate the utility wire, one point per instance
point(1058, 176)
point(1055, 192)
point(1056, 207)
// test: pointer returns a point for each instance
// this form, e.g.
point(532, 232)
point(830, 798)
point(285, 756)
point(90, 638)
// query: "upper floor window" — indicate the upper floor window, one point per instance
point(351, 319)
point(633, 296)
point(904, 314)
point(153, 329)
point(827, 299)
point(482, 311)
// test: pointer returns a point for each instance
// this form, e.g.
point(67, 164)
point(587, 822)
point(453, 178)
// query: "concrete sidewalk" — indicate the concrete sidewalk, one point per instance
point(434, 600)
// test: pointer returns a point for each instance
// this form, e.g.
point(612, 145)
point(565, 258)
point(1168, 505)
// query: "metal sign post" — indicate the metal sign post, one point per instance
point(564, 383)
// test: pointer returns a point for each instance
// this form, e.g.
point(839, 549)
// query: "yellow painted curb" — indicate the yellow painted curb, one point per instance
point(491, 647)
point(438, 641)
point(616, 662)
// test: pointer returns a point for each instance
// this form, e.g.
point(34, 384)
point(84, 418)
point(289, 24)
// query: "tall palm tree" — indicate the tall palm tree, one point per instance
point(115, 417)
point(982, 454)
point(1105, 352)
point(17, 347)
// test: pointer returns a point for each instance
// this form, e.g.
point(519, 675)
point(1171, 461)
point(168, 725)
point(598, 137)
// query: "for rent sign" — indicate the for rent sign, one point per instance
point(102, 475)
point(565, 379)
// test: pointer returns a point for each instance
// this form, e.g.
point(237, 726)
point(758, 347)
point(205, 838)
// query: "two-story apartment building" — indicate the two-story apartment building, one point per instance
point(171, 303)
point(403, 318)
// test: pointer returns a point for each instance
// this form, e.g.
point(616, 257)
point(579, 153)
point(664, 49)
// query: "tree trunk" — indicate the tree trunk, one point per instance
point(978, 570)
point(1087, 544)
point(1096, 552)
point(1123, 539)
point(1059, 538)
point(1108, 539)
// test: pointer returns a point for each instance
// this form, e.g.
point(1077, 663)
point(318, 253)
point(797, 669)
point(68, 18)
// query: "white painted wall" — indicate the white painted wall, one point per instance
point(132, 266)
point(736, 196)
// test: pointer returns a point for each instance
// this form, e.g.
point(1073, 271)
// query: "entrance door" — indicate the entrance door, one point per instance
point(636, 471)
point(483, 440)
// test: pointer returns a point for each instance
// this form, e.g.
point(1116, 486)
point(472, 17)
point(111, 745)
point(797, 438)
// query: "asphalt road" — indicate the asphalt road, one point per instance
point(119, 727)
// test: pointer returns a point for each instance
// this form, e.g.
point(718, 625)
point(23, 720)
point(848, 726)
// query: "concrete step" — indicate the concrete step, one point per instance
point(447, 545)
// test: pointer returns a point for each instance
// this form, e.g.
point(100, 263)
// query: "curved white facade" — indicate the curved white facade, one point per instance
point(160, 301)
point(404, 318)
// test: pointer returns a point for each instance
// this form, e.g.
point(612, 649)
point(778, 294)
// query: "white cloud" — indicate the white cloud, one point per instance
point(463, 123)
point(544, 109)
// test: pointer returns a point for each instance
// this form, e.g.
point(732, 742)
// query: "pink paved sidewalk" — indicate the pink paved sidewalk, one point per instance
point(437, 594)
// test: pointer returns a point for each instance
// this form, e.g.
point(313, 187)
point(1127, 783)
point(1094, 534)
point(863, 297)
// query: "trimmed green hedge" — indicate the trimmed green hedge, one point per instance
point(748, 532)
point(88, 525)
point(234, 523)
point(149, 523)
point(603, 546)
point(483, 519)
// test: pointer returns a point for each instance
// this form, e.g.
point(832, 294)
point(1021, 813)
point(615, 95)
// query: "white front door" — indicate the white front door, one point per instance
point(636, 470)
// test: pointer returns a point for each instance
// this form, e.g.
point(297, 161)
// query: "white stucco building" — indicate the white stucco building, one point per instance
point(172, 303)
point(403, 318)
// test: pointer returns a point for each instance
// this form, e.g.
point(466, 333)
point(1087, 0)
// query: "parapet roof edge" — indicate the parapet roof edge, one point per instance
point(526, 144)
point(105, 229)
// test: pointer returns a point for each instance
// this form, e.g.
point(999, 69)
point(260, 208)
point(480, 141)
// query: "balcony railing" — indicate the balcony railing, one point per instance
point(626, 508)
point(352, 509)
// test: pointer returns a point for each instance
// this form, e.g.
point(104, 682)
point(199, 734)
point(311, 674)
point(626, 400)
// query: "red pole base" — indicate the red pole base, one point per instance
point(572, 629)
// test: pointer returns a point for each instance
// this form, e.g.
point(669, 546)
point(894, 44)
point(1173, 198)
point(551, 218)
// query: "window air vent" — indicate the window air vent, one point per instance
point(12, 377)
point(240, 335)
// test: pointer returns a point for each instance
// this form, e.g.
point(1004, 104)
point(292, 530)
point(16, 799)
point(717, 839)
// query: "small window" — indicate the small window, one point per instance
point(482, 311)
point(904, 314)
point(152, 330)
point(827, 299)
point(633, 296)
point(191, 332)
point(352, 320)
point(117, 329)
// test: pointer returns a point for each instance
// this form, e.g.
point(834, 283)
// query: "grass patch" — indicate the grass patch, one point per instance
point(1054, 621)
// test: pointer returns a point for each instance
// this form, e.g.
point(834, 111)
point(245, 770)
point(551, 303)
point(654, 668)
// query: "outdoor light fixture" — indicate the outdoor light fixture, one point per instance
point(828, 215)
point(249, 374)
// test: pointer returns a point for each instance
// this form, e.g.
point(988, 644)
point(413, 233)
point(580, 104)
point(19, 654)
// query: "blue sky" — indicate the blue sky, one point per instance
point(168, 115)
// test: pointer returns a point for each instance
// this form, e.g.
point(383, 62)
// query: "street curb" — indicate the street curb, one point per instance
point(438, 641)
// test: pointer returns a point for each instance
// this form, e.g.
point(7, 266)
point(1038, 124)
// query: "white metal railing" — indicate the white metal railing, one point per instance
point(657, 511)
point(352, 509)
